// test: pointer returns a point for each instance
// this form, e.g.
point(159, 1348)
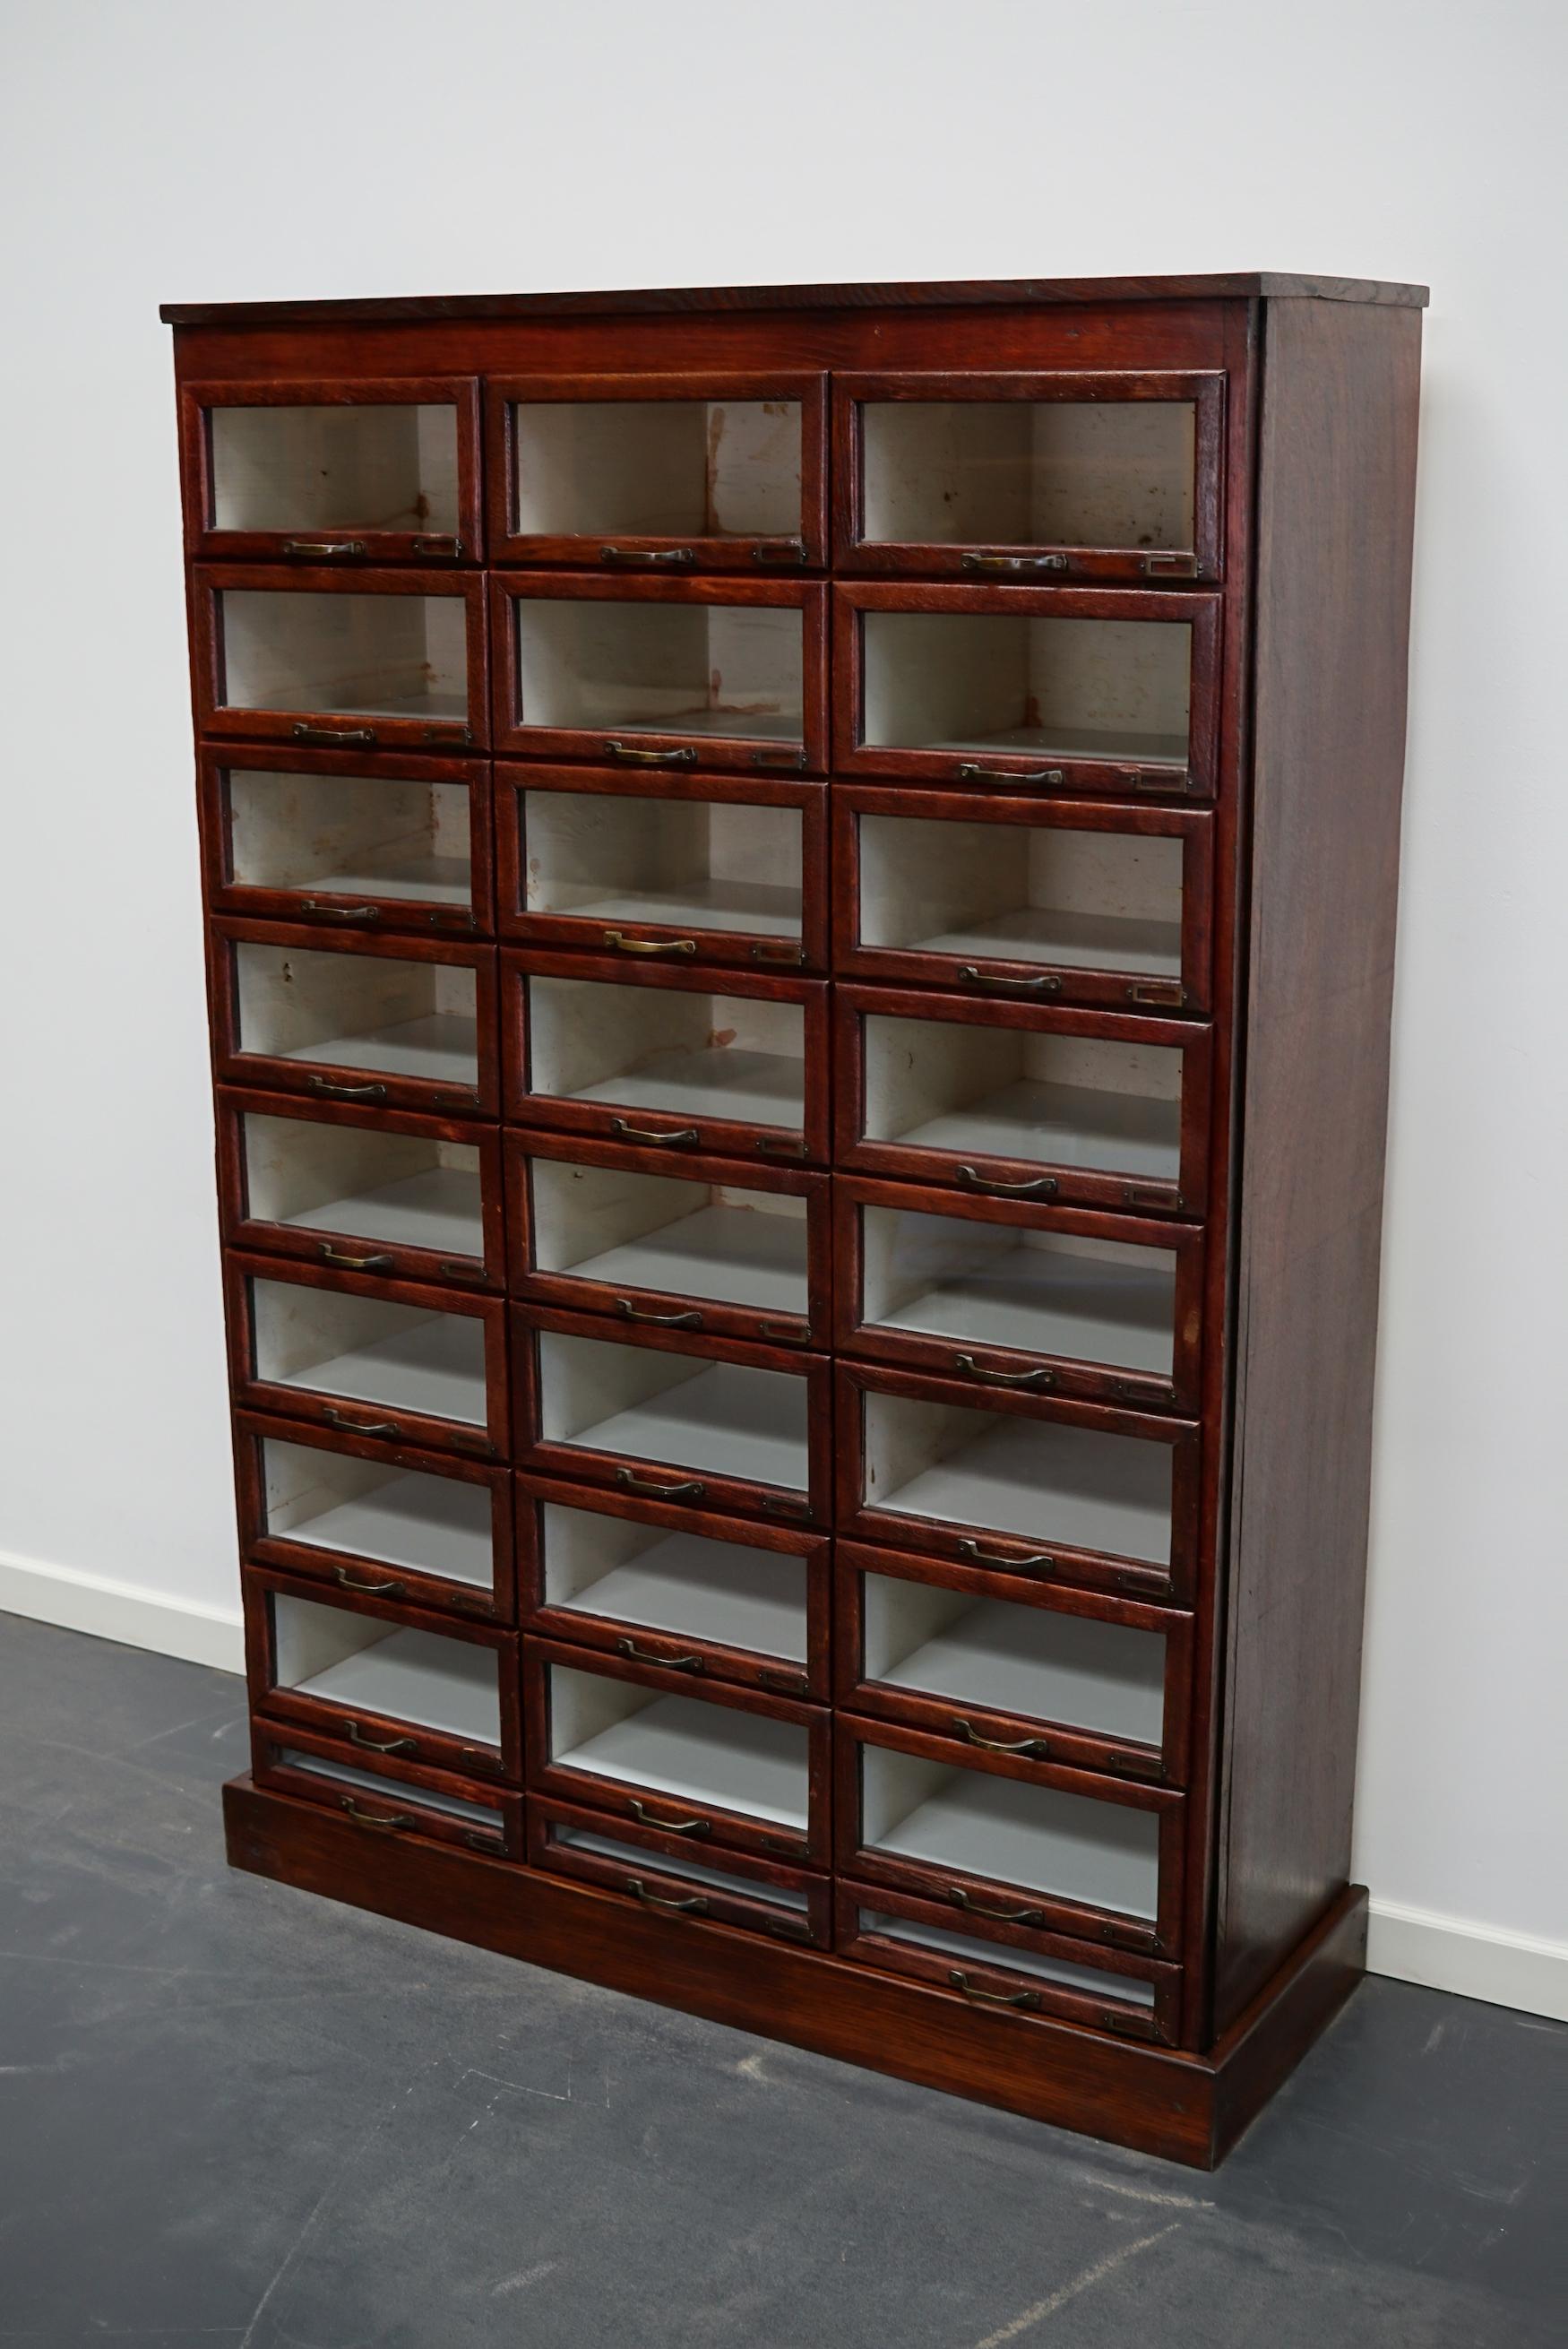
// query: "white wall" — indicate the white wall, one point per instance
point(177, 148)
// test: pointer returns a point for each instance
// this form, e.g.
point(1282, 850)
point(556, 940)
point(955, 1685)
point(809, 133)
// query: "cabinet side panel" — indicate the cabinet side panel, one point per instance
point(1336, 484)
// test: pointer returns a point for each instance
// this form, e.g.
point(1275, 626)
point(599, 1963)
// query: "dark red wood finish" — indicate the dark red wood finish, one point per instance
point(678, 1309)
point(630, 549)
point(853, 550)
point(353, 541)
point(686, 944)
point(351, 1251)
point(397, 1808)
point(319, 902)
point(334, 729)
point(676, 1649)
point(655, 1871)
point(373, 1577)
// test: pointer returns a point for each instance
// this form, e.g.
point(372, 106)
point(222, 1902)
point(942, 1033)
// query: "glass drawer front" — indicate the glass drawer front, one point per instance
point(410, 1020)
point(407, 1191)
point(658, 1878)
point(338, 1341)
point(731, 670)
point(687, 1583)
point(682, 468)
point(686, 864)
point(376, 838)
point(383, 655)
point(373, 1509)
point(361, 1664)
point(966, 1950)
point(680, 1748)
point(364, 466)
point(1001, 1830)
point(679, 1052)
point(670, 1236)
point(684, 1411)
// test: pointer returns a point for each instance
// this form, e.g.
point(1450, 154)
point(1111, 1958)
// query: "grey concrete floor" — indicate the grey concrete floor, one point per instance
point(235, 2116)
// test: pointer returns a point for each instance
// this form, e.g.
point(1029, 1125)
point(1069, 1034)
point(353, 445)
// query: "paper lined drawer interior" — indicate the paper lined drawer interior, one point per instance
point(679, 1745)
point(368, 1508)
point(713, 1240)
point(1020, 1093)
point(1018, 472)
point(410, 1190)
point(1091, 1979)
point(683, 1050)
point(1003, 1284)
point(366, 1665)
point(1080, 900)
point(349, 835)
point(1009, 1473)
point(338, 1341)
point(1010, 1831)
point(410, 1020)
point(689, 1584)
point(693, 865)
point(1116, 689)
point(732, 670)
point(347, 656)
point(726, 1419)
point(371, 466)
point(991, 1652)
point(657, 467)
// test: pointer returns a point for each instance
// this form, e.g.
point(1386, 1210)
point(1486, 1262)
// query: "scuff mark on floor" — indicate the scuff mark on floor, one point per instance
point(1029, 2317)
point(519, 2282)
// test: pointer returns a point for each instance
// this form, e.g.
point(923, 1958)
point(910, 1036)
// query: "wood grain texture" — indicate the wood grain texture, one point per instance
point(1336, 514)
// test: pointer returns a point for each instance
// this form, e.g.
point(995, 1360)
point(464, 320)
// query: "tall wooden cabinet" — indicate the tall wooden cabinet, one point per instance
point(800, 895)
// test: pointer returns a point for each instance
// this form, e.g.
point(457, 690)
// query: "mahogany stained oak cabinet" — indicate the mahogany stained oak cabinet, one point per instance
point(800, 890)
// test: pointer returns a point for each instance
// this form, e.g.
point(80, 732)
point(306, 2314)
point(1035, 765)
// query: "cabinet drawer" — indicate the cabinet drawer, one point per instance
point(671, 472)
point(1029, 902)
point(387, 1797)
point(663, 1874)
point(379, 1520)
point(342, 471)
point(711, 1765)
point(1000, 1663)
point(689, 869)
point(736, 1250)
point(656, 673)
point(1107, 1306)
point(1006, 1968)
point(330, 837)
point(708, 1423)
point(387, 1680)
point(417, 1198)
point(381, 1358)
point(1019, 1484)
point(398, 1022)
point(735, 1065)
point(1008, 1840)
point(715, 1598)
point(1009, 1101)
point(1016, 476)
point(1111, 693)
point(340, 661)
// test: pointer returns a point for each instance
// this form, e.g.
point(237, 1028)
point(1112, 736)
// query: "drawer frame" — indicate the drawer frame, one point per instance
point(405, 1783)
point(814, 1929)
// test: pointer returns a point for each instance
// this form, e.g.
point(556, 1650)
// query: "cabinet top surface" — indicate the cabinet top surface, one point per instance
point(964, 293)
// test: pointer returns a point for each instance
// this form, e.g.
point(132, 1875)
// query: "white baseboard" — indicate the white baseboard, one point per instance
point(1417, 1945)
point(121, 1610)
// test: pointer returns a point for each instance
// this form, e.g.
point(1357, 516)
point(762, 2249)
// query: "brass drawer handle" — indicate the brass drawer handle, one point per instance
point(663, 558)
point(696, 1905)
point(960, 1900)
point(329, 1255)
point(681, 1138)
point(323, 913)
point(629, 757)
point(646, 1656)
point(361, 1426)
point(690, 1488)
point(974, 1370)
point(622, 944)
point(1016, 565)
point(1040, 1562)
point(390, 1589)
point(671, 1827)
point(335, 736)
point(784, 550)
point(969, 772)
point(1038, 1186)
point(630, 1312)
point(1025, 2001)
point(326, 547)
point(450, 547)
point(973, 976)
point(386, 1823)
point(390, 1745)
point(1035, 1747)
point(344, 1092)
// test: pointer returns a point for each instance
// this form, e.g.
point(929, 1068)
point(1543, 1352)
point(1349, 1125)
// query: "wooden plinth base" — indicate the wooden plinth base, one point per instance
point(1189, 2108)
